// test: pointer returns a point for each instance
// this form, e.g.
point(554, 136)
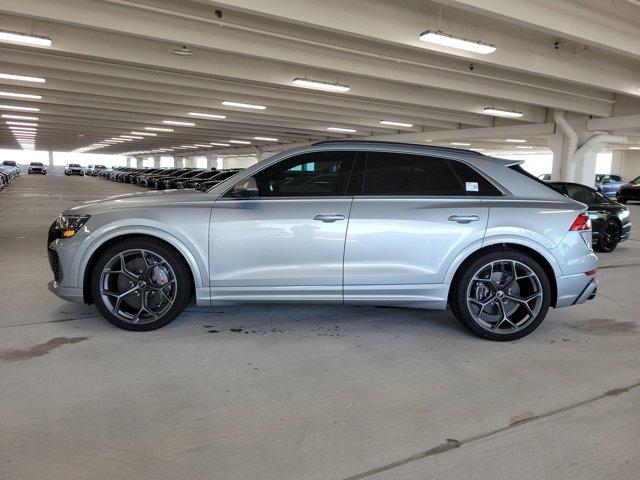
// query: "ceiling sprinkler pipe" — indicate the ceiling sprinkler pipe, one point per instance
point(569, 166)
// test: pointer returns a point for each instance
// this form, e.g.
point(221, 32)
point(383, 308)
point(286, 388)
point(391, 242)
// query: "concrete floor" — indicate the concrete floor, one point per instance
point(304, 392)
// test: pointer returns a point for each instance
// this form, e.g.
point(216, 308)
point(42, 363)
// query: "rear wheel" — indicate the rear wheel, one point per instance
point(609, 237)
point(140, 284)
point(502, 295)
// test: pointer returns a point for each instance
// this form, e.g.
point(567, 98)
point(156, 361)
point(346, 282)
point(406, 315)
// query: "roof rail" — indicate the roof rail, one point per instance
point(398, 144)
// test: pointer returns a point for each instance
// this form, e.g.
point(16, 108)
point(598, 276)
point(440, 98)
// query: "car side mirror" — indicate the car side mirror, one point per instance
point(247, 188)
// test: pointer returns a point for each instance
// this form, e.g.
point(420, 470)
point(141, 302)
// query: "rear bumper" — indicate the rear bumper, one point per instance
point(575, 289)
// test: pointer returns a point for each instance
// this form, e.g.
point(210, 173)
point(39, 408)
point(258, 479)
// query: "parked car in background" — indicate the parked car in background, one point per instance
point(630, 191)
point(7, 174)
point(609, 184)
point(10, 163)
point(37, 167)
point(610, 219)
point(211, 177)
point(97, 169)
point(545, 177)
point(73, 169)
point(369, 223)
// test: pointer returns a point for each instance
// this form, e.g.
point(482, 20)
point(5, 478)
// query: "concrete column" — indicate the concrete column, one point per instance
point(178, 162)
point(130, 161)
point(156, 161)
point(616, 162)
point(50, 159)
point(139, 162)
point(630, 164)
point(212, 161)
point(189, 162)
point(556, 143)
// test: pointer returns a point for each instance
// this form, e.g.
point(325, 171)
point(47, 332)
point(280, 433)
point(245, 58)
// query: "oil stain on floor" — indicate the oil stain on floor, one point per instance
point(38, 350)
point(605, 326)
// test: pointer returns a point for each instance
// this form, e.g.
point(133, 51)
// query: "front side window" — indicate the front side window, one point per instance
point(307, 175)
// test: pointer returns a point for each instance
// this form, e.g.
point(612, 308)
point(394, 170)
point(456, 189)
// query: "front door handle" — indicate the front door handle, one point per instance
point(464, 218)
point(328, 217)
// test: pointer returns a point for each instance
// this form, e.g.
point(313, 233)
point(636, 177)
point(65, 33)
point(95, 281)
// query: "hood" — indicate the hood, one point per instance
point(153, 199)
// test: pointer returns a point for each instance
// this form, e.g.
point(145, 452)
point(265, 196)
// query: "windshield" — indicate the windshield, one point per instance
point(37, 164)
point(636, 180)
point(9, 163)
point(74, 165)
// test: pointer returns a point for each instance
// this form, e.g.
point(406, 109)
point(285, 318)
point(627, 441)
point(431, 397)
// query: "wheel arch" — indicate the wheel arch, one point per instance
point(179, 249)
point(495, 247)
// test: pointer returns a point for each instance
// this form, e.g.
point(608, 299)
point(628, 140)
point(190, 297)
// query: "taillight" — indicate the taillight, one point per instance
point(582, 222)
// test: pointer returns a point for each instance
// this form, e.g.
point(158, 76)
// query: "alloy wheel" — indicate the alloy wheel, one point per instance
point(610, 236)
point(138, 286)
point(504, 296)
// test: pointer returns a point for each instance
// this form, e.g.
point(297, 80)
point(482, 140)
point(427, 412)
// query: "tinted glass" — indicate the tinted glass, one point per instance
point(467, 175)
point(408, 175)
point(581, 194)
point(616, 178)
point(310, 174)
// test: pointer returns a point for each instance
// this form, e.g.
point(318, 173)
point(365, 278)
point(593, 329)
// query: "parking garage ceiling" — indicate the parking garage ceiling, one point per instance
point(180, 76)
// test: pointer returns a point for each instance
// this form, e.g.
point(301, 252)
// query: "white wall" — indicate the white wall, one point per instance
point(630, 164)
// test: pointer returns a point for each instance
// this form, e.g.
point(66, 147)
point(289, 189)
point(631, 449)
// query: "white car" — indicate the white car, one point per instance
point(74, 169)
point(37, 167)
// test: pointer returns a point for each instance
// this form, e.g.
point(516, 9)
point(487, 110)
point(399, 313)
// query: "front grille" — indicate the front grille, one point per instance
point(54, 263)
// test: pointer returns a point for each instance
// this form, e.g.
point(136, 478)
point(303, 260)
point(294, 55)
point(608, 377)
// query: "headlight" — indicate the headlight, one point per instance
point(66, 226)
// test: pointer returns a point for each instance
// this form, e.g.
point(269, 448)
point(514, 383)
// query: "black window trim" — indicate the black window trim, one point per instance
point(448, 159)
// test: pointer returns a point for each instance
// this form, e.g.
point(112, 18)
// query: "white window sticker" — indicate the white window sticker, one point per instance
point(472, 186)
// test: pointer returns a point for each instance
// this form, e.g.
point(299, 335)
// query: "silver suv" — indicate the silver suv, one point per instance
point(354, 223)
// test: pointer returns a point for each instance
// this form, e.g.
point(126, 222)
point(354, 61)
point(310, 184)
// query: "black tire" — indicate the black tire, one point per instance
point(621, 200)
point(461, 284)
point(183, 290)
point(609, 237)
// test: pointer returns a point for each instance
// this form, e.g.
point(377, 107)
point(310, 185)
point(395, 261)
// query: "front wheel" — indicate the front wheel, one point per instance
point(140, 284)
point(502, 295)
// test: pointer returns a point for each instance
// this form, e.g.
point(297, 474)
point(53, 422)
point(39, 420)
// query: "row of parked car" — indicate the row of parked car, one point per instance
point(168, 178)
point(8, 171)
point(612, 186)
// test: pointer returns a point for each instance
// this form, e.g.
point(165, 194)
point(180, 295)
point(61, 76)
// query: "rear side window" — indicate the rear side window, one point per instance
point(408, 175)
point(418, 175)
point(467, 175)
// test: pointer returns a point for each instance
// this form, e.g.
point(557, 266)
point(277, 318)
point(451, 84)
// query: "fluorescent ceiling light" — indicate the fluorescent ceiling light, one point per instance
point(22, 78)
point(241, 142)
point(396, 124)
point(174, 122)
point(207, 115)
point(340, 129)
point(14, 127)
point(266, 139)
point(477, 149)
point(243, 105)
point(187, 146)
point(217, 144)
point(19, 108)
point(498, 112)
point(18, 117)
point(123, 139)
point(634, 148)
point(200, 145)
point(515, 140)
point(524, 146)
point(145, 134)
point(20, 95)
point(133, 137)
point(461, 144)
point(446, 40)
point(15, 37)
point(159, 129)
point(24, 124)
point(319, 85)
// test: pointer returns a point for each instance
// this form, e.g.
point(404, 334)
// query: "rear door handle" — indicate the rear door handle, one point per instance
point(464, 218)
point(329, 217)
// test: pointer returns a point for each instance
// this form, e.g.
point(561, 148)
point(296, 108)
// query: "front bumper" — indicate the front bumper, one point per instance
point(70, 294)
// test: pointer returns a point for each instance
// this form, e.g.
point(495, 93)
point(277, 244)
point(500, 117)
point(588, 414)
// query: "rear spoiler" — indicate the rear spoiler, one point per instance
point(504, 161)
